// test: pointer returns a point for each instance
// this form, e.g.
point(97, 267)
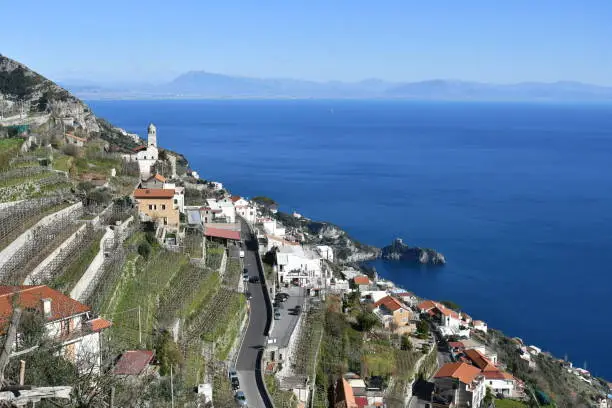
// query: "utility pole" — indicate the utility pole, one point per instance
point(139, 328)
point(171, 386)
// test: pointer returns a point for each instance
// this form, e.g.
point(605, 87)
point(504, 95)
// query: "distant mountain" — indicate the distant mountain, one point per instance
point(200, 84)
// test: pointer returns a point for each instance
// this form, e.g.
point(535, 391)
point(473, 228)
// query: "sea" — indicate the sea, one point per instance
point(517, 196)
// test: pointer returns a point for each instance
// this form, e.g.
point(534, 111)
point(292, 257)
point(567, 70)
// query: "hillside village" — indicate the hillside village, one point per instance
point(127, 280)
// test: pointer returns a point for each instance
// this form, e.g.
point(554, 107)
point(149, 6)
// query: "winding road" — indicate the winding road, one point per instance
point(248, 365)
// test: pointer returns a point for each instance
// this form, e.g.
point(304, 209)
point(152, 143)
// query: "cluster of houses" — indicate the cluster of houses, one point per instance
point(354, 392)
point(474, 367)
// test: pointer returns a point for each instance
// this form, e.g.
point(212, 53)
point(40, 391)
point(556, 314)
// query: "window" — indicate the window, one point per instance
point(176, 201)
point(163, 206)
point(155, 206)
point(150, 206)
point(165, 220)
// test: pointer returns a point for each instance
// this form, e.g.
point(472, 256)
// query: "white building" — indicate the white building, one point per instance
point(179, 195)
point(299, 265)
point(223, 208)
point(272, 227)
point(326, 252)
point(66, 320)
point(500, 382)
point(461, 384)
point(245, 209)
point(146, 156)
point(216, 185)
point(479, 325)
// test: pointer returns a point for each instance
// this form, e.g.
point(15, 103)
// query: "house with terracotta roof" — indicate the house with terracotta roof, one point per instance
point(344, 395)
point(362, 282)
point(445, 316)
point(155, 181)
point(157, 205)
point(135, 363)
point(479, 360)
point(394, 315)
point(222, 233)
point(461, 384)
point(66, 321)
point(75, 140)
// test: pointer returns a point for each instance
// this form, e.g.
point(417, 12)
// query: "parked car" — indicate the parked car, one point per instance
point(283, 295)
point(254, 279)
point(235, 383)
point(242, 253)
point(232, 374)
point(245, 274)
point(248, 295)
point(277, 315)
point(280, 298)
point(240, 398)
point(298, 309)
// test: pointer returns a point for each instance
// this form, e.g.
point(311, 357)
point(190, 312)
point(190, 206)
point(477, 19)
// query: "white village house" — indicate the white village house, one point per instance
point(244, 208)
point(299, 265)
point(67, 321)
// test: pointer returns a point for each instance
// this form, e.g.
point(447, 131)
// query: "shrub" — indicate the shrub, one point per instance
point(144, 250)
point(366, 321)
point(70, 150)
point(167, 351)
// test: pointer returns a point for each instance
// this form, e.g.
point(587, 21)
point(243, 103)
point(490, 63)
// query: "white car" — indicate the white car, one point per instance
point(242, 253)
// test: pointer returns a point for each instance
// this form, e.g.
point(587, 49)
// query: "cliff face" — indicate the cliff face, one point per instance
point(345, 248)
point(25, 92)
point(400, 251)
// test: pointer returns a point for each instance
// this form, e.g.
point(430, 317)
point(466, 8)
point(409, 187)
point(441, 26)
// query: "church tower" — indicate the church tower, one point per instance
point(152, 135)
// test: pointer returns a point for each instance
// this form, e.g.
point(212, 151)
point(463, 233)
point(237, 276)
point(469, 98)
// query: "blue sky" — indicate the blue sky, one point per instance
point(483, 40)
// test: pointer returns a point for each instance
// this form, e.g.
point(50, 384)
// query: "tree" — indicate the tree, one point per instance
point(406, 344)
point(167, 351)
point(366, 321)
point(144, 250)
point(422, 329)
point(451, 305)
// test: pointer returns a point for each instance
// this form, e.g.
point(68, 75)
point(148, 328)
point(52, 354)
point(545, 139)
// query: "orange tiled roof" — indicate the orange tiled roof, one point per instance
point(390, 303)
point(30, 297)
point(427, 305)
point(478, 323)
point(153, 193)
point(349, 397)
point(235, 198)
point(361, 280)
point(99, 324)
point(159, 177)
point(71, 136)
point(498, 375)
point(480, 360)
point(463, 372)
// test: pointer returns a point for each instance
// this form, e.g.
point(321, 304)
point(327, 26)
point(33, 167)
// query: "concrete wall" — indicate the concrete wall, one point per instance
point(93, 270)
point(39, 272)
point(20, 241)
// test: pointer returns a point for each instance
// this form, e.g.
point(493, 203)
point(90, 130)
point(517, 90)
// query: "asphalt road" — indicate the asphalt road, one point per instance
point(249, 373)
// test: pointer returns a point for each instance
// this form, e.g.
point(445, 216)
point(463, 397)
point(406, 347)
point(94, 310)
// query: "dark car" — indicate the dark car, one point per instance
point(254, 279)
point(298, 309)
point(283, 295)
point(235, 383)
point(248, 295)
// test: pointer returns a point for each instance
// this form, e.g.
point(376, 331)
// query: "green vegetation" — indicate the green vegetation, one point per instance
point(65, 283)
point(167, 352)
point(9, 149)
point(508, 403)
point(280, 398)
point(451, 305)
point(214, 256)
point(422, 329)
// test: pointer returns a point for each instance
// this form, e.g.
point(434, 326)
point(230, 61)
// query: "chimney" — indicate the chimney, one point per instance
point(46, 307)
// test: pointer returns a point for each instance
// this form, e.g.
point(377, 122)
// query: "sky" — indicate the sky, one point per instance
point(350, 40)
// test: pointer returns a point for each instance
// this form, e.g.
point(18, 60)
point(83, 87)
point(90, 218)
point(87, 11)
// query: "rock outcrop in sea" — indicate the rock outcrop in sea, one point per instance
point(402, 252)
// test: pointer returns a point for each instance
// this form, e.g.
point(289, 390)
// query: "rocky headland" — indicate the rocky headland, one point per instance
point(400, 251)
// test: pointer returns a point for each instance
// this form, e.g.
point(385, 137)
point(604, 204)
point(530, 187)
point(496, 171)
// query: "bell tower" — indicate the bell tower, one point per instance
point(152, 135)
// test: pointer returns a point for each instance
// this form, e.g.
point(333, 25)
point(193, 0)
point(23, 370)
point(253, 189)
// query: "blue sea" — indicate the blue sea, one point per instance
point(518, 197)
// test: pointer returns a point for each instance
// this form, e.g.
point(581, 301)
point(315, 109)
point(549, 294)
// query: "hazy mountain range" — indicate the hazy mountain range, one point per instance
point(200, 84)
